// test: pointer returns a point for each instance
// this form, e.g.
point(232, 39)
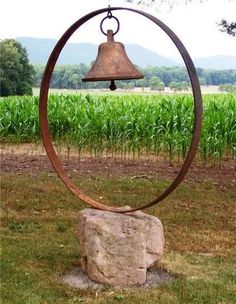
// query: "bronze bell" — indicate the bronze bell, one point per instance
point(112, 63)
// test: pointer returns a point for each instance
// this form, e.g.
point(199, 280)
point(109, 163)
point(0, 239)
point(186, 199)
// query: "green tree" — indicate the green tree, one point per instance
point(76, 81)
point(175, 86)
point(202, 81)
point(142, 83)
point(130, 85)
point(156, 84)
point(185, 85)
point(16, 74)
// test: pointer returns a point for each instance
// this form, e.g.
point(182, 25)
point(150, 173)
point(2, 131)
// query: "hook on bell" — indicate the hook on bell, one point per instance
point(112, 62)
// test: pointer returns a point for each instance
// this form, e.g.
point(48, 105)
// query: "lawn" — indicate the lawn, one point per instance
point(39, 241)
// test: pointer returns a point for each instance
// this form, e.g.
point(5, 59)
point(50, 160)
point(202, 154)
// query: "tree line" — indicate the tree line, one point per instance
point(18, 76)
point(156, 78)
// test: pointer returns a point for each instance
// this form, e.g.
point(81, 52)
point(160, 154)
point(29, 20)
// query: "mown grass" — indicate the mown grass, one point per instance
point(39, 242)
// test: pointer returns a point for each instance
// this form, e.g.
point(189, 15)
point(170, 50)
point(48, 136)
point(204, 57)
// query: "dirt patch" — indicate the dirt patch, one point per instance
point(86, 167)
point(78, 279)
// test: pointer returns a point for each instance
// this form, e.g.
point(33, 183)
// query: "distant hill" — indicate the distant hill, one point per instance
point(39, 50)
point(144, 57)
point(74, 53)
point(219, 62)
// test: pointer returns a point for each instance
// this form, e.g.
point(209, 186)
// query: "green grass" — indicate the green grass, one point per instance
point(39, 242)
point(125, 125)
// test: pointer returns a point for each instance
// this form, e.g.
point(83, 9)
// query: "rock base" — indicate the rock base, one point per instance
point(117, 249)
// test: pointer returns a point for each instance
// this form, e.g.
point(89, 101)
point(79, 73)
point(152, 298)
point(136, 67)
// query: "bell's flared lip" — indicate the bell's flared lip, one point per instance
point(107, 78)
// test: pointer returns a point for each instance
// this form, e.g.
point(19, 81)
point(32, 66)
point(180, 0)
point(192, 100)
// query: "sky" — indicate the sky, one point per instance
point(195, 24)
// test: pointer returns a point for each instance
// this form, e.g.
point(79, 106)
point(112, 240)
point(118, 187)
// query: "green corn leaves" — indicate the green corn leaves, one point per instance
point(125, 126)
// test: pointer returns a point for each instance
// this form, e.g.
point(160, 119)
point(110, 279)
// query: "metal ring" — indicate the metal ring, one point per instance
point(44, 121)
point(110, 17)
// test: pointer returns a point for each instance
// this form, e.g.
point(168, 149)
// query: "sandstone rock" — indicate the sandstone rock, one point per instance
point(117, 249)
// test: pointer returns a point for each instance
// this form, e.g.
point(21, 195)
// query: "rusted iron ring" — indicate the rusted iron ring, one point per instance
point(44, 99)
point(110, 16)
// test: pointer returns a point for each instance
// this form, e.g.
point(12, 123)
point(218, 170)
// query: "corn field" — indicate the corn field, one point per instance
point(125, 126)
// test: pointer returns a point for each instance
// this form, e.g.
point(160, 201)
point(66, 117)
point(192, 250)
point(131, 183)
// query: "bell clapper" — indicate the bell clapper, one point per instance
point(112, 86)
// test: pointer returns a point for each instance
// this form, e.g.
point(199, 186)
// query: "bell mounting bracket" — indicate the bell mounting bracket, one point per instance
point(110, 16)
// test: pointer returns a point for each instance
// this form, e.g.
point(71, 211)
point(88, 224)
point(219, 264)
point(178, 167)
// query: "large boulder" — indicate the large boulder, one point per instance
point(117, 248)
